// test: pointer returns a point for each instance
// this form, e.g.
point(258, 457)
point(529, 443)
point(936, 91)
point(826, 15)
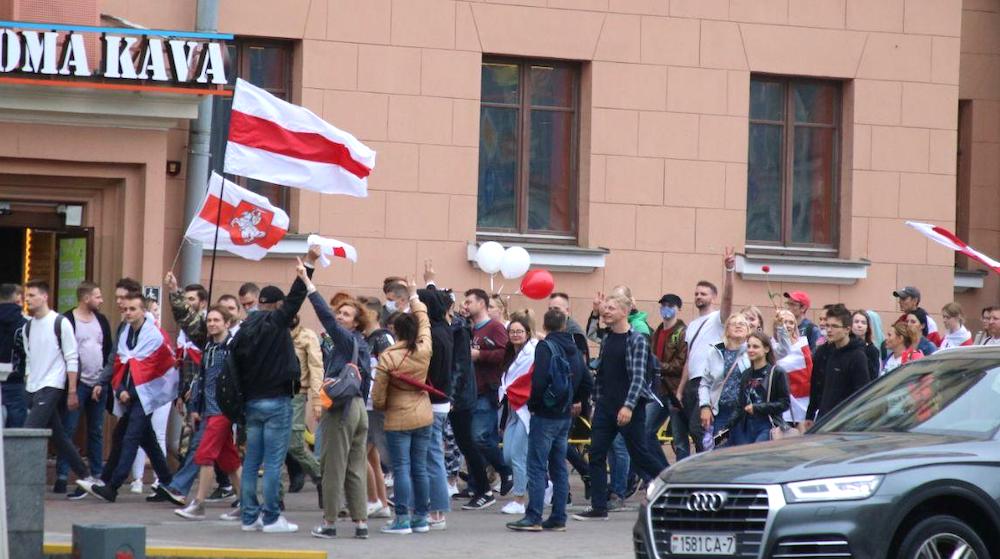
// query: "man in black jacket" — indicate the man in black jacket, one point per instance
point(547, 437)
point(268, 370)
point(439, 376)
point(15, 407)
point(841, 364)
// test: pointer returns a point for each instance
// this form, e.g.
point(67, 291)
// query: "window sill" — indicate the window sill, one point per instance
point(801, 269)
point(969, 279)
point(554, 258)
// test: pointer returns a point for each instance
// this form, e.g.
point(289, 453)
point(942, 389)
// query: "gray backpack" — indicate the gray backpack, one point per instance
point(342, 386)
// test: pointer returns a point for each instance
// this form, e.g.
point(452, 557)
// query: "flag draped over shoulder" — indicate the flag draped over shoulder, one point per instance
point(275, 141)
point(516, 382)
point(248, 225)
point(798, 365)
point(186, 349)
point(151, 366)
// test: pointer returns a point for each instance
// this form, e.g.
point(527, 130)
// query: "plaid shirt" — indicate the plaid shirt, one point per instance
point(636, 363)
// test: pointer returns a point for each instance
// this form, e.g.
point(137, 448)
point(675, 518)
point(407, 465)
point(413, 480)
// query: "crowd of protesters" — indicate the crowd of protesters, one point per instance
point(396, 396)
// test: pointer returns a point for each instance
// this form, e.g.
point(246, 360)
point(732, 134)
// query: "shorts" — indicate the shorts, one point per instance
point(217, 446)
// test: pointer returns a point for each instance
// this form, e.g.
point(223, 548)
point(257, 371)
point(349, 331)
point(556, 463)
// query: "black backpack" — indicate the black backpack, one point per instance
point(228, 387)
point(558, 396)
point(340, 387)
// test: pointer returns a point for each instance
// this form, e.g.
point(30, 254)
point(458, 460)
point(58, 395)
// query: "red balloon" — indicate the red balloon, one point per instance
point(537, 284)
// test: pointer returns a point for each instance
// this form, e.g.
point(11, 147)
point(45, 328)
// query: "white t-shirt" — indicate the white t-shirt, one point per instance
point(891, 363)
point(46, 362)
point(90, 349)
point(698, 350)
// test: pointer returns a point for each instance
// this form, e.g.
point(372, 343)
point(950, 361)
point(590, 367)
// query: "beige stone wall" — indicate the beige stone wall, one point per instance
point(664, 134)
point(980, 83)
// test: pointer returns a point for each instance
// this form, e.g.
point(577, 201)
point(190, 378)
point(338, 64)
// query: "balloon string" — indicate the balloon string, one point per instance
point(491, 282)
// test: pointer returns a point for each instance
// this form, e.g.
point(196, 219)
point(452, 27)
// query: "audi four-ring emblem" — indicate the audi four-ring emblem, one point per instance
point(707, 501)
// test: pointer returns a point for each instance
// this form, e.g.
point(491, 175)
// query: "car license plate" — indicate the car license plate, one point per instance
point(703, 544)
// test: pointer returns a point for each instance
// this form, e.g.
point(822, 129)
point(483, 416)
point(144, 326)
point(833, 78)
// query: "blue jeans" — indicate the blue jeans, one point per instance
point(515, 452)
point(15, 404)
point(603, 430)
point(436, 471)
point(547, 454)
point(269, 427)
point(656, 414)
point(188, 472)
point(751, 429)
point(137, 433)
point(409, 470)
point(620, 466)
point(486, 434)
point(95, 429)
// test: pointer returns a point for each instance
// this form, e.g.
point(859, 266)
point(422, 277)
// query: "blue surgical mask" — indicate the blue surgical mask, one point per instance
point(667, 313)
point(390, 306)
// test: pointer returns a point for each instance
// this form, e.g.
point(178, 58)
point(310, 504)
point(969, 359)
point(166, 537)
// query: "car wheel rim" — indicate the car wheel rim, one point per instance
point(946, 546)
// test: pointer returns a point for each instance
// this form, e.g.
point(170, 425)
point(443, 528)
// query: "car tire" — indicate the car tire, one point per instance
point(944, 532)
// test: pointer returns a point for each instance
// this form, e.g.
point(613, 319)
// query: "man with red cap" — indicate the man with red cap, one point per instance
point(798, 303)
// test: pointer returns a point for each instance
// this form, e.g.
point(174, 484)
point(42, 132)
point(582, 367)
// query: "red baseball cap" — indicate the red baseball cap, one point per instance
point(799, 297)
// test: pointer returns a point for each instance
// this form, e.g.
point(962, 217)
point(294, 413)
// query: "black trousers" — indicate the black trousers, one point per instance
point(461, 426)
point(46, 412)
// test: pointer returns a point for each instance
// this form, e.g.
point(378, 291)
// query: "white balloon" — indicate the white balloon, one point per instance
point(516, 262)
point(489, 256)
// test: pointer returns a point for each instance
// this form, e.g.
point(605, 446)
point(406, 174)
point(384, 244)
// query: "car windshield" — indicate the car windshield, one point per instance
point(947, 397)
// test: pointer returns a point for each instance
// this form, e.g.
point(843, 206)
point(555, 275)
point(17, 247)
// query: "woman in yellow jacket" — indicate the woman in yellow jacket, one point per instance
point(408, 414)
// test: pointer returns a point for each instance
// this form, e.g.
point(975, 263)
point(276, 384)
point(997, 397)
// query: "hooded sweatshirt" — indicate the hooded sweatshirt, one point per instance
point(11, 320)
point(845, 371)
point(463, 374)
point(442, 343)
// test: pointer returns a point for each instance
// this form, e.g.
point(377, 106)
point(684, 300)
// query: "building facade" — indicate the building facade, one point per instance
point(619, 141)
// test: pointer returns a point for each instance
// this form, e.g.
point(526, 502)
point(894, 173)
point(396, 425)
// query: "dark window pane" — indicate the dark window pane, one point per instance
point(551, 86)
point(764, 183)
point(497, 204)
point(549, 203)
point(812, 191)
point(273, 192)
point(767, 100)
point(267, 67)
point(221, 109)
point(500, 83)
point(815, 102)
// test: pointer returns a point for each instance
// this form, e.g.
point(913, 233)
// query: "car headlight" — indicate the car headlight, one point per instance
point(654, 489)
point(832, 489)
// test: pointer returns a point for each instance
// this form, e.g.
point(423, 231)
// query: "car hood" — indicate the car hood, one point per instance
point(828, 455)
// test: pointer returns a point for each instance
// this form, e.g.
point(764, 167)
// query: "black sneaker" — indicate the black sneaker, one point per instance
point(464, 495)
point(296, 482)
point(480, 502)
point(168, 494)
point(103, 492)
point(220, 494)
point(59, 487)
point(591, 514)
point(524, 525)
point(324, 531)
point(361, 532)
point(77, 494)
point(506, 484)
point(550, 526)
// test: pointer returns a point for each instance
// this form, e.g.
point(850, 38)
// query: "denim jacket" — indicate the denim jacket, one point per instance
point(203, 392)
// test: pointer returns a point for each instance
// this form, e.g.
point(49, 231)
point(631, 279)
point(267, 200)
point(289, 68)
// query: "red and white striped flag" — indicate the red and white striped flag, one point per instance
point(946, 238)
point(275, 141)
point(248, 225)
point(516, 382)
point(151, 366)
point(332, 247)
point(186, 349)
point(798, 365)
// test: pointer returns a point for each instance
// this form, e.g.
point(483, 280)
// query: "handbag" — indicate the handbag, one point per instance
point(780, 429)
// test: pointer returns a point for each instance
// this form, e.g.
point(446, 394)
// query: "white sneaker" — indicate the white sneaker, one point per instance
point(373, 508)
point(452, 489)
point(234, 515)
point(381, 512)
point(136, 487)
point(388, 480)
point(280, 526)
point(194, 511)
point(513, 507)
point(257, 526)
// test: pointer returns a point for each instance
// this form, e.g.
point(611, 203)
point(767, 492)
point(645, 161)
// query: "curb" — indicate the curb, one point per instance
point(65, 551)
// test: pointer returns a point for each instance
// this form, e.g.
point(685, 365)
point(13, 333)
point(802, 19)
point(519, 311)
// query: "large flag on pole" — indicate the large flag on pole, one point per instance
point(248, 225)
point(946, 238)
point(149, 365)
point(275, 141)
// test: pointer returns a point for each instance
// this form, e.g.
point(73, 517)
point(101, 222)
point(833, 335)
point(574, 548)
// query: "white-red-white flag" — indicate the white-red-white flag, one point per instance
point(248, 225)
point(149, 366)
point(275, 141)
point(332, 247)
point(946, 238)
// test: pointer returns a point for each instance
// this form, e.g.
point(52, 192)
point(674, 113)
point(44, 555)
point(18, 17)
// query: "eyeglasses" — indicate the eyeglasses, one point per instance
point(833, 326)
point(517, 333)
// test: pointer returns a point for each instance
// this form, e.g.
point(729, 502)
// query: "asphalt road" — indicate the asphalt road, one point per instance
point(479, 534)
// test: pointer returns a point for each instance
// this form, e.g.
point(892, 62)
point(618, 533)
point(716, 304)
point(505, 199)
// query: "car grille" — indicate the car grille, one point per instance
point(815, 547)
point(744, 514)
point(640, 548)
